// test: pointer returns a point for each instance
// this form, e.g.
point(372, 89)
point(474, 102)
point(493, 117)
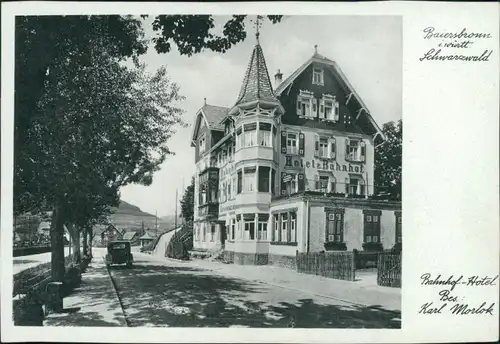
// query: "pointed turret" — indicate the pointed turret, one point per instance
point(256, 87)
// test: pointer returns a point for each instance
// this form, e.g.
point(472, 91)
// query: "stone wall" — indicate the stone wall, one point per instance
point(250, 258)
point(283, 261)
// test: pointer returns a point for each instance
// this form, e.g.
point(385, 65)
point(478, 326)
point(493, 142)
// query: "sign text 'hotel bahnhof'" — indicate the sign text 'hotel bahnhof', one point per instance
point(321, 165)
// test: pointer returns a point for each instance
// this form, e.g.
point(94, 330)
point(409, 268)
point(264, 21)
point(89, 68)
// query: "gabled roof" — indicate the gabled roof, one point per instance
point(129, 235)
point(146, 236)
point(335, 69)
point(212, 115)
point(256, 86)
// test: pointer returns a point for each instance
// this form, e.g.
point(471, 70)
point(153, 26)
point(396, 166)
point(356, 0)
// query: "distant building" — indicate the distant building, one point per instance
point(290, 169)
point(130, 236)
point(146, 239)
point(105, 234)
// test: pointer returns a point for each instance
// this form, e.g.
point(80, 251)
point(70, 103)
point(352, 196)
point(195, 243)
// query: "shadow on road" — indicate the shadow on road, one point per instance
point(89, 305)
point(158, 295)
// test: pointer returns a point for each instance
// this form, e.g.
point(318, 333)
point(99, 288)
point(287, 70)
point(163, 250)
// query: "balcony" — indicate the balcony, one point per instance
point(208, 210)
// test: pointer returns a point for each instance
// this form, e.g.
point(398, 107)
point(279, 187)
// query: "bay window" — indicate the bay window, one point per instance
point(239, 138)
point(262, 226)
point(250, 135)
point(240, 181)
point(249, 179)
point(249, 226)
point(265, 134)
point(264, 176)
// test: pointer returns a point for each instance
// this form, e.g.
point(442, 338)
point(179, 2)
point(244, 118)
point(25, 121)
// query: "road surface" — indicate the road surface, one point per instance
point(176, 294)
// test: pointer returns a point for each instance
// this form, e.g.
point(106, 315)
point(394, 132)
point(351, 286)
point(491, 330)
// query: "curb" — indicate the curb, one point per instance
point(113, 283)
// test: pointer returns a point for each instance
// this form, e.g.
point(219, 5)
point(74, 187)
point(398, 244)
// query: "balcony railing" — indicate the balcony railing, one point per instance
point(208, 210)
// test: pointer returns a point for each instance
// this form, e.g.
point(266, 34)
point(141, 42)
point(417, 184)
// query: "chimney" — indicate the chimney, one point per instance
point(278, 78)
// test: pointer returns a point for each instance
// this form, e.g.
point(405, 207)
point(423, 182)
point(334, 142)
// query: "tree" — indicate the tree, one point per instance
point(187, 202)
point(85, 123)
point(388, 160)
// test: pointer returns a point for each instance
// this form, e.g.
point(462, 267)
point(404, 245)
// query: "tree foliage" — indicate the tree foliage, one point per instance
point(388, 160)
point(187, 202)
point(193, 33)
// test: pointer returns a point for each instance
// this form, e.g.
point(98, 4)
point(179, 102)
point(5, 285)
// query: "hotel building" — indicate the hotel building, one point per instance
point(289, 169)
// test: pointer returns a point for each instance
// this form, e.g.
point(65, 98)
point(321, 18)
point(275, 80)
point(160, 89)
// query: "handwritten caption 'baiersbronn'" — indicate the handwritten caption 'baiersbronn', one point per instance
point(449, 299)
point(447, 44)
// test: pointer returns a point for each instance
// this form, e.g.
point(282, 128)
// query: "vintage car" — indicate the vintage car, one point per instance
point(119, 253)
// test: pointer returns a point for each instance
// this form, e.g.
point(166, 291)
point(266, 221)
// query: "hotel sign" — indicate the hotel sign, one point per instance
point(322, 165)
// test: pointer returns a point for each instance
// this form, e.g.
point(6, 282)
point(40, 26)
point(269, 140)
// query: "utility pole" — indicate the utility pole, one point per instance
point(175, 226)
point(156, 222)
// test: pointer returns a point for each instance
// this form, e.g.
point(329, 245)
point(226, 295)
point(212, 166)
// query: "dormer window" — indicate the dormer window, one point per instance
point(329, 108)
point(306, 104)
point(318, 74)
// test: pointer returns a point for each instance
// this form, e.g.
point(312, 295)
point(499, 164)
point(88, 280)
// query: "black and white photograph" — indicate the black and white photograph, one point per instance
point(197, 169)
point(208, 171)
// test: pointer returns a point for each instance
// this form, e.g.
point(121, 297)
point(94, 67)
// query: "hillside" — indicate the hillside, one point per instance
point(130, 217)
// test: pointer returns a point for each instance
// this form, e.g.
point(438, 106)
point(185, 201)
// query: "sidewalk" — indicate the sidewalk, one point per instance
point(359, 292)
point(94, 303)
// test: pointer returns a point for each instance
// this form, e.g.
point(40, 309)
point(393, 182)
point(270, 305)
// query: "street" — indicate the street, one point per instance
point(178, 294)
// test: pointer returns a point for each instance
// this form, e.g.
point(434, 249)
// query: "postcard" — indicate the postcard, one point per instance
point(237, 172)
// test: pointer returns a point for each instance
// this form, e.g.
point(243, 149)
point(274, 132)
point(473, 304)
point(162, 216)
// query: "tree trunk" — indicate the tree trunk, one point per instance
point(91, 238)
point(57, 243)
point(85, 240)
point(74, 235)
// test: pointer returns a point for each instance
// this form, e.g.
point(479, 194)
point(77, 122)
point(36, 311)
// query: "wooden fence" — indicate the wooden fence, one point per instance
point(389, 269)
point(338, 265)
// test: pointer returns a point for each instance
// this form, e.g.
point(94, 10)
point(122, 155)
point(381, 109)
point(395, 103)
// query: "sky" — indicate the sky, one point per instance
point(368, 49)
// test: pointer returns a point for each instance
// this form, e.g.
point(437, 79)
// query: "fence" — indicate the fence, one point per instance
point(338, 265)
point(389, 269)
point(33, 279)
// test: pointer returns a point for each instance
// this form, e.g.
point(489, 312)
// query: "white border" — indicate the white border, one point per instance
point(450, 183)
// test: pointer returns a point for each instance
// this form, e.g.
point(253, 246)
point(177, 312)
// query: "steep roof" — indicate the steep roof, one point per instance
point(129, 235)
point(214, 115)
point(335, 69)
point(146, 236)
point(256, 86)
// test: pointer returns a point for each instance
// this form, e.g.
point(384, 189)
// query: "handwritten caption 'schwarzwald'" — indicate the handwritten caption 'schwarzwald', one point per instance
point(458, 45)
point(450, 300)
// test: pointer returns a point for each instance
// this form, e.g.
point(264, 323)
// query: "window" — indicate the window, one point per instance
point(240, 175)
point(233, 228)
point(249, 179)
point(202, 144)
point(230, 152)
point(284, 227)
point(229, 189)
point(291, 184)
point(239, 138)
point(238, 226)
point(323, 148)
point(399, 233)
point(276, 233)
point(355, 186)
point(323, 183)
point(273, 181)
point(355, 150)
point(234, 186)
point(318, 76)
point(264, 178)
point(262, 227)
point(250, 135)
point(293, 227)
point(212, 232)
point(372, 226)
point(305, 104)
point(249, 226)
point(204, 231)
point(265, 134)
point(329, 108)
point(335, 226)
point(291, 144)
